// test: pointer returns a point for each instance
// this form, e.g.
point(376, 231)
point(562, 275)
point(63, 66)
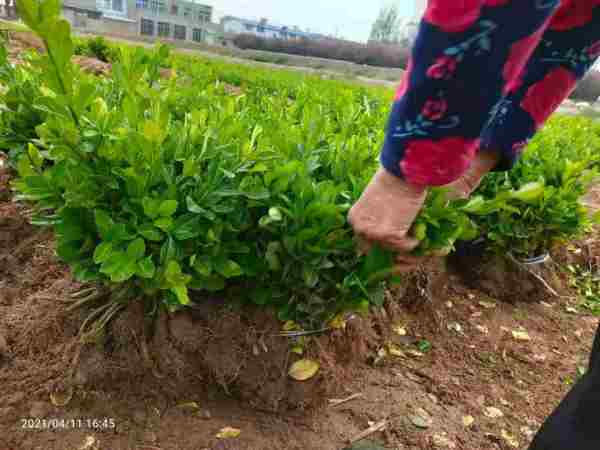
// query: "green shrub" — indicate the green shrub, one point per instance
point(554, 173)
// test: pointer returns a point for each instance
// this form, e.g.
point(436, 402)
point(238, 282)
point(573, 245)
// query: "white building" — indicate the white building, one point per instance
point(262, 28)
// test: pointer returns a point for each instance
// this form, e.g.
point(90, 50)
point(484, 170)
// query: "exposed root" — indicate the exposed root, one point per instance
point(96, 295)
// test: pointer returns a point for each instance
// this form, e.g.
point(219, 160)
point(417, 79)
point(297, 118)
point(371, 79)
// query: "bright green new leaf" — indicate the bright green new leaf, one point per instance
point(164, 223)
point(529, 192)
point(119, 267)
point(103, 252)
point(167, 208)
point(136, 249)
point(275, 214)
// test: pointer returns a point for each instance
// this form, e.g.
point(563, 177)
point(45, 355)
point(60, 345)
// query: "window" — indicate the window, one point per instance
point(147, 27)
point(158, 5)
point(141, 4)
point(179, 32)
point(248, 26)
point(197, 35)
point(110, 5)
point(203, 17)
point(187, 11)
point(164, 29)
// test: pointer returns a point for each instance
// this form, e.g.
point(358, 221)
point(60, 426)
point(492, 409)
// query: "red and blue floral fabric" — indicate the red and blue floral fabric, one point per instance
point(485, 75)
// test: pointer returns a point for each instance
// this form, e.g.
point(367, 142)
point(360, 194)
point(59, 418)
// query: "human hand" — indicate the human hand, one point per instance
point(384, 215)
point(462, 188)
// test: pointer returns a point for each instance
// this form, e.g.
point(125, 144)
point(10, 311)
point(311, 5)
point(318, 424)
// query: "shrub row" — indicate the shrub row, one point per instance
point(156, 187)
point(372, 54)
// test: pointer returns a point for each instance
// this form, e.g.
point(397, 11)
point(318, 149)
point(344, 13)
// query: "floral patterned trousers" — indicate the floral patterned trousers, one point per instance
point(485, 75)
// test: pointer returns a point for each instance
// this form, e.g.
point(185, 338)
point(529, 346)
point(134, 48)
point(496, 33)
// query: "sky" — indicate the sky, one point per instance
point(349, 19)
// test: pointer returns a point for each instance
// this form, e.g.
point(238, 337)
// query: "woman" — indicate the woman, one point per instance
point(484, 76)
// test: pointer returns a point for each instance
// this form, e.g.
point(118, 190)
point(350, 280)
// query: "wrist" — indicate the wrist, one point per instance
point(398, 185)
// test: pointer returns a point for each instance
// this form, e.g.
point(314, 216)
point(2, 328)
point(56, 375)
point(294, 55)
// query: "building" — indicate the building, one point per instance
point(164, 19)
point(234, 25)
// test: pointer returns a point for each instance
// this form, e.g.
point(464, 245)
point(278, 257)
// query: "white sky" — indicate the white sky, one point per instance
point(349, 19)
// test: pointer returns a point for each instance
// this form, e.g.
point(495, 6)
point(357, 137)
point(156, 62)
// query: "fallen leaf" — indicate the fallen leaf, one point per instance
point(399, 330)
point(571, 310)
point(189, 406)
point(477, 314)
point(504, 402)
point(455, 326)
point(62, 398)
point(493, 413)
point(304, 369)
point(482, 329)
point(546, 305)
point(228, 433)
point(394, 350)
point(510, 439)
point(91, 443)
point(540, 357)
point(338, 322)
point(521, 335)
point(488, 305)
point(471, 296)
point(468, 421)
point(421, 419)
point(415, 353)
point(449, 305)
point(441, 441)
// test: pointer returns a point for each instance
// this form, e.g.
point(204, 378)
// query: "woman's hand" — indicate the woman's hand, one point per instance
point(388, 207)
point(384, 215)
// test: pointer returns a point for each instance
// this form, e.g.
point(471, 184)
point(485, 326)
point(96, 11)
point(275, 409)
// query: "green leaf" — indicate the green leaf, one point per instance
point(69, 252)
point(195, 208)
point(151, 207)
point(103, 252)
point(229, 268)
point(377, 263)
point(530, 192)
point(175, 276)
point(181, 292)
point(164, 223)
point(146, 268)
point(275, 214)
point(119, 267)
point(104, 223)
point(188, 226)
point(169, 250)
point(596, 218)
point(136, 249)
point(203, 265)
point(85, 271)
point(150, 232)
point(167, 208)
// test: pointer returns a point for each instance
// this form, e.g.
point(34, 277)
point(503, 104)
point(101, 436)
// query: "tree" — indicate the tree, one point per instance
point(386, 26)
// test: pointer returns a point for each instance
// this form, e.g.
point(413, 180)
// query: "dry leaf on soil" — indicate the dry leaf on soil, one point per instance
point(228, 433)
point(304, 369)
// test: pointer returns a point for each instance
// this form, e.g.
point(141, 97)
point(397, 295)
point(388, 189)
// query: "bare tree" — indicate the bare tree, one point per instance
point(386, 26)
